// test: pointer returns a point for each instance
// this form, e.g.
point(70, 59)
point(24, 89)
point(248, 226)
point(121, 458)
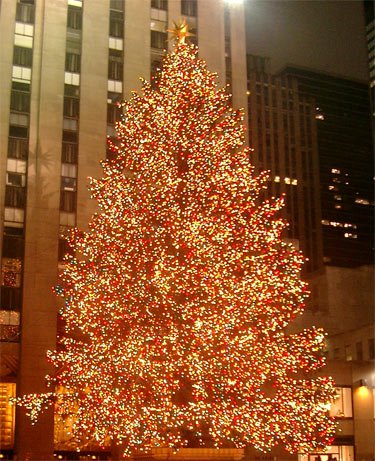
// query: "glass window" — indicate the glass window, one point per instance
point(68, 201)
point(7, 415)
point(73, 62)
point(158, 40)
point(189, 7)
point(15, 196)
point(25, 12)
point(342, 406)
point(69, 152)
point(70, 136)
point(17, 148)
point(13, 246)
point(11, 298)
point(71, 107)
point(359, 350)
point(371, 349)
point(64, 248)
point(117, 5)
point(68, 183)
point(113, 113)
point(9, 326)
point(116, 24)
point(22, 56)
point(74, 17)
point(71, 90)
point(11, 272)
point(115, 65)
point(159, 4)
point(20, 101)
point(332, 453)
point(348, 352)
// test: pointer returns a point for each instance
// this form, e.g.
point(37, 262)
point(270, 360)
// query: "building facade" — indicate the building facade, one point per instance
point(345, 150)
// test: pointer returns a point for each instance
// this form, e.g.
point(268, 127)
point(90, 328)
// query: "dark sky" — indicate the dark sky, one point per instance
point(322, 35)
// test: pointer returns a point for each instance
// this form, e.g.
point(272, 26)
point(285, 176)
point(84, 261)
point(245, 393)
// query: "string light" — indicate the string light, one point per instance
point(176, 308)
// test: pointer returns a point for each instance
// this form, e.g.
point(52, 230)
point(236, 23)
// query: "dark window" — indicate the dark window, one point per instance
point(68, 201)
point(74, 17)
point(116, 24)
point(359, 350)
point(159, 4)
point(115, 65)
point(73, 62)
point(15, 196)
point(69, 152)
point(71, 90)
point(371, 349)
point(116, 5)
point(189, 7)
point(18, 148)
point(14, 179)
point(71, 107)
point(70, 136)
point(20, 101)
point(11, 298)
point(25, 12)
point(68, 183)
point(113, 113)
point(64, 248)
point(22, 56)
point(13, 247)
point(158, 40)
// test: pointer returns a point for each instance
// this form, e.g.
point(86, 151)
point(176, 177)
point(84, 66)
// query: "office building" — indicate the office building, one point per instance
point(345, 150)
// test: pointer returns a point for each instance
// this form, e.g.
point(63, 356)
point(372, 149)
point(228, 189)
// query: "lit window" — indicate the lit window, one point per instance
point(348, 353)
point(338, 207)
point(319, 114)
point(9, 325)
point(362, 201)
point(337, 197)
point(350, 235)
point(335, 171)
point(342, 405)
point(7, 414)
point(11, 272)
point(277, 178)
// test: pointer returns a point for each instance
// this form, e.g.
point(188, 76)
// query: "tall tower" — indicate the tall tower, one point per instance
point(64, 65)
point(345, 148)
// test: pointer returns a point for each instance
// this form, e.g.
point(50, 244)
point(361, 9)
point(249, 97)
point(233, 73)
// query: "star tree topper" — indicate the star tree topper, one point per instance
point(180, 31)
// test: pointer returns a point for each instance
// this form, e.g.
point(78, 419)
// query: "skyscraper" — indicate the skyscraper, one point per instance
point(64, 65)
point(345, 149)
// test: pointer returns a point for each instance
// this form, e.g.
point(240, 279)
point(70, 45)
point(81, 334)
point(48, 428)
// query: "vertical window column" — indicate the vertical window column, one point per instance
point(71, 111)
point(16, 173)
point(115, 68)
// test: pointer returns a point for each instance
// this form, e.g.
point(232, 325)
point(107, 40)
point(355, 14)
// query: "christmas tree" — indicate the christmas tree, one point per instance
point(177, 302)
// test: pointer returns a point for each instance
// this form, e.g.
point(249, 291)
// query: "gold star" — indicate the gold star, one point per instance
point(180, 31)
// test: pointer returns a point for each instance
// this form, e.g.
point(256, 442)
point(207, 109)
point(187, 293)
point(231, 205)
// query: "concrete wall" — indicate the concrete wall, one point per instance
point(42, 223)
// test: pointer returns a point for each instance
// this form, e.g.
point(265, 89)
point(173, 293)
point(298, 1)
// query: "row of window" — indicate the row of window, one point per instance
point(356, 352)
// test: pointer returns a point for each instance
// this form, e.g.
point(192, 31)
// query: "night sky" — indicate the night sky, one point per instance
point(322, 35)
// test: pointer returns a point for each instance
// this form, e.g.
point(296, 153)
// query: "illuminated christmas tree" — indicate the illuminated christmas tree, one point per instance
point(177, 302)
